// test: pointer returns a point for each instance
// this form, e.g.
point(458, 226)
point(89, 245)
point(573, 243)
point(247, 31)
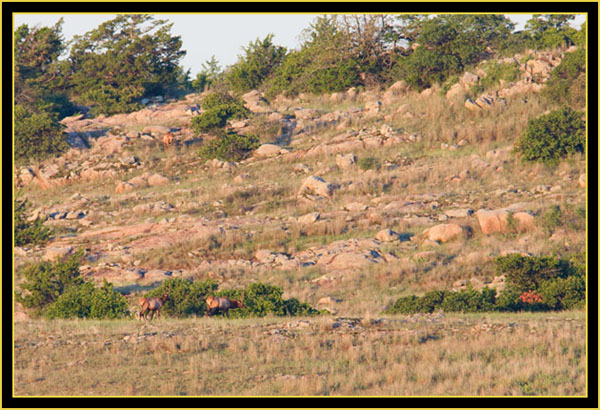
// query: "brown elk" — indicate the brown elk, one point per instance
point(151, 305)
point(223, 304)
point(167, 140)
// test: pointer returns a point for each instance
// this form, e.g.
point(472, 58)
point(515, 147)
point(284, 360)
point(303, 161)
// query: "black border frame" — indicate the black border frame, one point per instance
point(8, 8)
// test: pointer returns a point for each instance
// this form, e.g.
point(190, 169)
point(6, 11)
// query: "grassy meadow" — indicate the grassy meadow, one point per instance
point(525, 354)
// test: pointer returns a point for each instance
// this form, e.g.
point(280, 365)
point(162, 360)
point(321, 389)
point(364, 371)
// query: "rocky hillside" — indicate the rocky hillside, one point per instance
point(353, 199)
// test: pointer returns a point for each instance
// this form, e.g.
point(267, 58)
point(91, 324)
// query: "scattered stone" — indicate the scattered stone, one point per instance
point(156, 130)
point(124, 187)
point(496, 221)
point(74, 215)
point(443, 232)
point(372, 108)
point(268, 151)
point(328, 301)
point(355, 207)
point(459, 213)
point(309, 219)
point(306, 114)
point(316, 186)
point(387, 235)
point(469, 79)
point(301, 169)
point(345, 161)
point(471, 105)
point(156, 180)
point(56, 252)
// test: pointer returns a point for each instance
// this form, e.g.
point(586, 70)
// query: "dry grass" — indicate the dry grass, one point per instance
point(493, 354)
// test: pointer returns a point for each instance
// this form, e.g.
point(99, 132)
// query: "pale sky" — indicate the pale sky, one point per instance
point(205, 35)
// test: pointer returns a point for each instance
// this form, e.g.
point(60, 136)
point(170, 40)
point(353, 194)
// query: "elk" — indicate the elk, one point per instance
point(151, 305)
point(215, 303)
point(167, 140)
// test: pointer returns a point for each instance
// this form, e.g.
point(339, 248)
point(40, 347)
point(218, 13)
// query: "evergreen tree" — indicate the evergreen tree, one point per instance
point(124, 60)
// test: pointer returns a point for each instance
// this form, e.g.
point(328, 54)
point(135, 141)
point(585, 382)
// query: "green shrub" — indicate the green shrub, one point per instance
point(260, 59)
point(425, 67)
point(46, 281)
point(579, 37)
point(261, 299)
point(516, 43)
point(37, 135)
point(448, 84)
point(209, 76)
point(566, 84)
point(407, 305)
point(366, 163)
point(110, 99)
point(551, 219)
point(218, 108)
point(185, 298)
point(469, 300)
point(499, 71)
point(29, 232)
point(563, 293)
point(524, 273)
point(553, 136)
point(508, 301)
point(229, 147)
point(86, 301)
point(293, 307)
point(431, 301)
point(533, 284)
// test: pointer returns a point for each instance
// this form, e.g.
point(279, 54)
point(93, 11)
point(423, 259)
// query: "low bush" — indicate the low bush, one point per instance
point(566, 84)
point(508, 301)
point(46, 281)
point(551, 219)
point(533, 284)
point(366, 163)
point(229, 147)
point(29, 233)
point(469, 300)
point(218, 108)
point(37, 135)
point(87, 301)
point(563, 293)
point(495, 72)
point(407, 305)
point(525, 273)
point(553, 136)
point(187, 298)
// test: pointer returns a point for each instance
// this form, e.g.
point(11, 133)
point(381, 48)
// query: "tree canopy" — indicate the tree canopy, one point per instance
point(124, 60)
